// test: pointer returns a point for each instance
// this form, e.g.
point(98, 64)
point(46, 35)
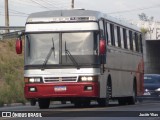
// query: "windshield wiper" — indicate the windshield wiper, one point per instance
point(67, 52)
point(49, 55)
point(29, 44)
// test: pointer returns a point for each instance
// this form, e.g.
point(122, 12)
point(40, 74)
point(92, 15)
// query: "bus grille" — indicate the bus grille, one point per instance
point(59, 79)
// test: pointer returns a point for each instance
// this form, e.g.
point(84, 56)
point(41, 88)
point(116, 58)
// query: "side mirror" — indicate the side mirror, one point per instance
point(102, 46)
point(19, 46)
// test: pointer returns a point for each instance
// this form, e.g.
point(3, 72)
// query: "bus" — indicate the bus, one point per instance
point(81, 56)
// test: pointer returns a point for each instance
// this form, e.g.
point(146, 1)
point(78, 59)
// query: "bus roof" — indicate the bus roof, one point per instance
point(79, 13)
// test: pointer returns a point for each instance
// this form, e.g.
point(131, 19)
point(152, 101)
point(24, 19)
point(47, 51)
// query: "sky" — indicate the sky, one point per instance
point(121, 9)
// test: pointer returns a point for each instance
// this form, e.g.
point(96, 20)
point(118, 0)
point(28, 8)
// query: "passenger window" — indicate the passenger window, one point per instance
point(115, 35)
point(136, 42)
point(140, 43)
point(119, 36)
point(128, 42)
point(106, 32)
point(122, 40)
point(131, 40)
point(112, 34)
point(109, 33)
point(125, 38)
point(101, 25)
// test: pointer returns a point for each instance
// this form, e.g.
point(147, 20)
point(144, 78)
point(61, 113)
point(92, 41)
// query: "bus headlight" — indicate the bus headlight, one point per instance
point(88, 78)
point(33, 80)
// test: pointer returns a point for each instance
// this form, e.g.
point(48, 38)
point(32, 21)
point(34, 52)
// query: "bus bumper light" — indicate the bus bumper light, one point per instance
point(88, 88)
point(32, 89)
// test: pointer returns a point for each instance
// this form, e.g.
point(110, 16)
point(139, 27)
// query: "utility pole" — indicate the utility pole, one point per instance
point(6, 15)
point(72, 5)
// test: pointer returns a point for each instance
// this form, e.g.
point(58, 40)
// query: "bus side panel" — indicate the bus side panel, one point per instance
point(121, 65)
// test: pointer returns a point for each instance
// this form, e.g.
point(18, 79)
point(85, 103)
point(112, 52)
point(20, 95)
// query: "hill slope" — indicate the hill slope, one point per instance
point(11, 74)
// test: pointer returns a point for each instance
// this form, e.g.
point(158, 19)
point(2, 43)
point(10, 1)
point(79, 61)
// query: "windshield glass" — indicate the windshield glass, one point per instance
point(81, 45)
point(152, 79)
point(37, 47)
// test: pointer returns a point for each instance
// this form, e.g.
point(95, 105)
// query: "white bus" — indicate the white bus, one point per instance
point(81, 56)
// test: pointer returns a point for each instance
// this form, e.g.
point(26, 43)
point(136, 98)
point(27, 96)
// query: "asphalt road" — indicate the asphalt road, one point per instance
point(148, 110)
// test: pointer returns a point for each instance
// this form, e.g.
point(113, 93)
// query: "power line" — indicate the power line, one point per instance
point(49, 3)
point(132, 10)
point(14, 15)
point(25, 2)
point(55, 4)
point(40, 4)
point(15, 11)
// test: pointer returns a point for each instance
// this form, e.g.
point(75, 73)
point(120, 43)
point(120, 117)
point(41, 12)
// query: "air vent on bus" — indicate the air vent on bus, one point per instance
point(59, 79)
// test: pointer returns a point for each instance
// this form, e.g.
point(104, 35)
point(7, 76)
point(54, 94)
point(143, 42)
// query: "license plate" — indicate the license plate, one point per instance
point(147, 93)
point(60, 88)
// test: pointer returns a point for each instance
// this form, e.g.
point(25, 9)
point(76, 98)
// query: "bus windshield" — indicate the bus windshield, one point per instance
point(81, 45)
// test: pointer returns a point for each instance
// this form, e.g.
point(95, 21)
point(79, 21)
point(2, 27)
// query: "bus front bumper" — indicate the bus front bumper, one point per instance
point(61, 90)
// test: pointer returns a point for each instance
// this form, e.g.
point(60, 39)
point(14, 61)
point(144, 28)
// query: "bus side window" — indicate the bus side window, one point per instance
point(131, 39)
point(101, 25)
point(140, 43)
point(109, 33)
point(125, 38)
point(115, 36)
point(112, 34)
point(119, 36)
point(136, 42)
point(106, 32)
point(128, 42)
point(122, 40)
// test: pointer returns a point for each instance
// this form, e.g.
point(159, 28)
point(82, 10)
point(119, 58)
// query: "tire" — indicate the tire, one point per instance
point(132, 100)
point(63, 102)
point(44, 103)
point(86, 103)
point(122, 101)
point(128, 100)
point(83, 103)
point(78, 104)
point(33, 102)
point(103, 102)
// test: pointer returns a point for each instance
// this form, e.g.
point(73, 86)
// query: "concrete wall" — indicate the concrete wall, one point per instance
point(152, 56)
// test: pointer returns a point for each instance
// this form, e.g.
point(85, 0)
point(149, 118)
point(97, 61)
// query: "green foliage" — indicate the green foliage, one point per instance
point(144, 30)
point(11, 74)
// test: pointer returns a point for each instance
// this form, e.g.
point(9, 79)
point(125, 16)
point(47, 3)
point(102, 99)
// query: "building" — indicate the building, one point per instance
point(151, 46)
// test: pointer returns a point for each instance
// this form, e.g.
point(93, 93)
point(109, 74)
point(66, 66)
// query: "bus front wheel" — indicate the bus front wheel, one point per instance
point(105, 101)
point(44, 103)
point(33, 102)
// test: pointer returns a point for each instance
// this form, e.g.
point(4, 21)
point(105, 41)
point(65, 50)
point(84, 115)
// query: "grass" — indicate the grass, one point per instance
point(11, 74)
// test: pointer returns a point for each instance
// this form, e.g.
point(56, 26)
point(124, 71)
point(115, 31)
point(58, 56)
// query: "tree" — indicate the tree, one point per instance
point(144, 17)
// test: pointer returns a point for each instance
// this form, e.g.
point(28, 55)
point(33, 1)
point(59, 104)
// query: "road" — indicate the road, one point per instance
point(94, 112)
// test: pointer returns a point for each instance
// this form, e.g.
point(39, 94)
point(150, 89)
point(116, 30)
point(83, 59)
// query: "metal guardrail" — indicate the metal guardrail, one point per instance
point(12, 28)
point(10, 35)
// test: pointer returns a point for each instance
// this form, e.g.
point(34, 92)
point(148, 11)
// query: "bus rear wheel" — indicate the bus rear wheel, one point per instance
point(129, 100)
point(44, 103)
point(132, 99)
point(122, 101)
